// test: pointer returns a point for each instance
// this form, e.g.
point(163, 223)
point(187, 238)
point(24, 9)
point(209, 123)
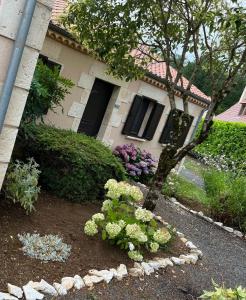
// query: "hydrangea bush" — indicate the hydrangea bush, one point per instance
point(222, 293)
point(124, 224)
point(139, 165)
point(48, 247)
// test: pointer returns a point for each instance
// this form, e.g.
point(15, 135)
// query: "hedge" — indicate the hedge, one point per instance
point(73, 166)
point(226, 138)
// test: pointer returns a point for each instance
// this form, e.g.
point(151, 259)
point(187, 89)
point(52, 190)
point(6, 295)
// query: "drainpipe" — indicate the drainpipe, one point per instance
point(15, 58)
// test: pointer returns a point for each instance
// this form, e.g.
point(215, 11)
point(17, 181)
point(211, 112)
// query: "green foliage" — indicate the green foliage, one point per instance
point(126, 226)
point(178, 186)
point(227, 139)
point(222, 293)
point(73, 165)
point(203, 82)
point(47, 91)
point(226, 197)
point(21, 184)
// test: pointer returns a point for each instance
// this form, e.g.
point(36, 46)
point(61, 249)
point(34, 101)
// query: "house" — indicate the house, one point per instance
point(237, 112)
point(112, 110)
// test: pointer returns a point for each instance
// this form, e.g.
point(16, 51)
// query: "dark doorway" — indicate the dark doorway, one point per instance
point(95, 108)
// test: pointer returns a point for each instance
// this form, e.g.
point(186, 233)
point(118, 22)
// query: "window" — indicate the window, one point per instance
point(167, 133)
point(49, 63)
point(143, 118)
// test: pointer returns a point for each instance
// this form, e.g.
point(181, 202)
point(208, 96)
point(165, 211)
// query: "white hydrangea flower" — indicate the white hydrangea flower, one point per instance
point(113, 229)
point(122, 223)
point(98, 217)
point(107, 204)
point(111, 183)
point(131, 246)
point(90, 228)
point(162, 236)
point(143, 214)
point(135, 255)
point(154, 247)
point(135, 232)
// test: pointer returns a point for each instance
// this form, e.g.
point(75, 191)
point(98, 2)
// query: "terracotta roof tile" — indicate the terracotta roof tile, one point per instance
point(157, 69)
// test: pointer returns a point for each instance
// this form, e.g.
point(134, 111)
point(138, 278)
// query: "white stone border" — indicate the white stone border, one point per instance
point(37, 290)
point(208, 219)
point(201, 215)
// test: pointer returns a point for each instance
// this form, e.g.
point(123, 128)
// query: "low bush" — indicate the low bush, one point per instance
point(74, 166)
point(21, 184)
point(222, 293)
point(226, 197)
point(139, 164)
point(227, 139)
point(122, 224)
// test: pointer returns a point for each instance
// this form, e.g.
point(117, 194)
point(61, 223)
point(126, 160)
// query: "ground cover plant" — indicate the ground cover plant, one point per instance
point(73, 165)
point(48, 247)
point(21, 183)
point(139, 164)
point(122, 224)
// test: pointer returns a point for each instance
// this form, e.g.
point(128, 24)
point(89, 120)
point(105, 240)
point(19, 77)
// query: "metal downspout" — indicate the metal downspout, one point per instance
point(15, 58)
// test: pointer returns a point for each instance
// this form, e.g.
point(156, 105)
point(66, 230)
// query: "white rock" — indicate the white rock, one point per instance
point(114, 271)
point(44, 287)
point(136, 272)
point(180, 234)
point(154, 264)
point(31, 294)
point(238, 233)
point(184, 240)
point(15, 290)
point(229, 229)
point(131, 246)
point(193, 212)
point(105, 274)
point(159, 218)
point(218, 224)
point(197, 252)
point(89, 280)
point(6, 296)
point(178, 261)
point(78, 282)
point(147, 268)
point(200, 213)
point(60, 289)
point(190, 258)
point(190, 245)
point(121, 272)
point(67, 282)
point(164, 262)
point(208, 219)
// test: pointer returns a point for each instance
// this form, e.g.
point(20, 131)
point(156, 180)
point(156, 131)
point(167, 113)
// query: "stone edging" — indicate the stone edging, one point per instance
point(37, 290)
point(201, 215)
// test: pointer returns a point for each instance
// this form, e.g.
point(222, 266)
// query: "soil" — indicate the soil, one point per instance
point(57, 216)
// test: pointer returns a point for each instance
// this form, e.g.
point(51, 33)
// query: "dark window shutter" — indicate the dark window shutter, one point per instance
point(132, 115)
point(185, 132)
point(166, 137)
point(153, 121)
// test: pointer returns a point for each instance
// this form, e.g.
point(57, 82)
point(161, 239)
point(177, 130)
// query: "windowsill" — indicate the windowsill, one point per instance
point(135, 138)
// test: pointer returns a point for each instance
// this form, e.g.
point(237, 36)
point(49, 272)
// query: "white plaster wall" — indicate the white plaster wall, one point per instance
point(10, 16)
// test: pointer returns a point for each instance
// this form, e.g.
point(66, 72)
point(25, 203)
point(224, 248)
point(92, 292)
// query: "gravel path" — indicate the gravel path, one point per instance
point(224, 260)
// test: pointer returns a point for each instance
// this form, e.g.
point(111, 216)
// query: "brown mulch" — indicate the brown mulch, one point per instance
point(57, 216)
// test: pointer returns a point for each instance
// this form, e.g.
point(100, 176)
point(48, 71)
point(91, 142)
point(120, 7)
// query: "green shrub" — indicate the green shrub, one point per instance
point(47, 91)
point(21, 183)
point(126, 226)
point(221, 293)
point(226, 197)
point(73, 165)
point(226, 139)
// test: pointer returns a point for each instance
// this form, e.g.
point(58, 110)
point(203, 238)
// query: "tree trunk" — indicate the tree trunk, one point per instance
point(166, 164)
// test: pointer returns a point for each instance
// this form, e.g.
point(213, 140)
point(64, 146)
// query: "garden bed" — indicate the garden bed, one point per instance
point(57, 216)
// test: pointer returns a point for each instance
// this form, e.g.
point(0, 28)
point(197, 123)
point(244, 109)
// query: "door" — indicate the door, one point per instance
point(96, 107)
